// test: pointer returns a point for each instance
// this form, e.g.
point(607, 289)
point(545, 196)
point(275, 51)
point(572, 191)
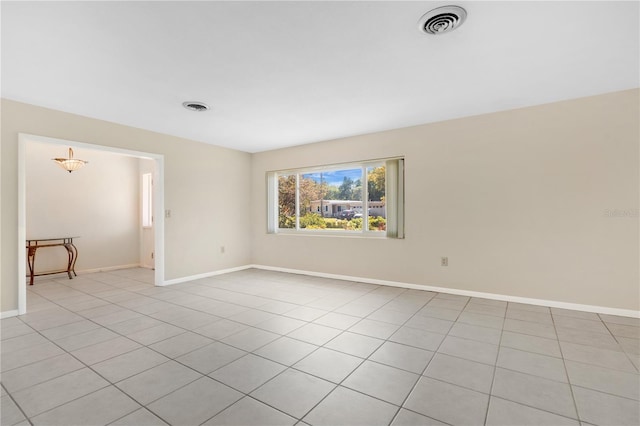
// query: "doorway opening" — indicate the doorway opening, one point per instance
point(149, 162)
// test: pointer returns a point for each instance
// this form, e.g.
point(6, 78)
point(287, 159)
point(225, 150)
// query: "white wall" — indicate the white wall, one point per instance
point(517, 200)
point(99, 203)
point(200, 181)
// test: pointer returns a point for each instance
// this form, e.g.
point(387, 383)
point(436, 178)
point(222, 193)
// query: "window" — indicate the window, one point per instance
point(355, 199)
point(147, 206)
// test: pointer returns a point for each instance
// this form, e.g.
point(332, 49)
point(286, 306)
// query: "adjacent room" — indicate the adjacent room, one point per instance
point(320, 213)
point(108, 204)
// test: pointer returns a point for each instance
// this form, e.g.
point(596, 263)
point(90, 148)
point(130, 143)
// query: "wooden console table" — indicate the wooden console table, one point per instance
point(66, 242)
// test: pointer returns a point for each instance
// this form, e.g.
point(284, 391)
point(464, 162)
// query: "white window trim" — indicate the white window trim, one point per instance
point(394, 200)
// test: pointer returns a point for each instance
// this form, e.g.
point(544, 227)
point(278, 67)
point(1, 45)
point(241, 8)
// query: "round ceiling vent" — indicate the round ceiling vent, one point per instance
point(442, 19)
point(195, 106)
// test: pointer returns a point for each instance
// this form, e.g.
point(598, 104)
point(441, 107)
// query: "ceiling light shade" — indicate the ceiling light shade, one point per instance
point(70, 164)
point(442, 20)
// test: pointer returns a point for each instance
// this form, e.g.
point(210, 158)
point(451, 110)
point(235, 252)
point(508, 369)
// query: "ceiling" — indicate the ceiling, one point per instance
point(279, 74)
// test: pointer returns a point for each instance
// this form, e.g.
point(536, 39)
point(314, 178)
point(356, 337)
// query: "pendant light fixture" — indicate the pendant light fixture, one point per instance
point(70, 164)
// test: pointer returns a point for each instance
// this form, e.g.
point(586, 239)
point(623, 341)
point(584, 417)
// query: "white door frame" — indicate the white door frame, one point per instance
point(158, 207)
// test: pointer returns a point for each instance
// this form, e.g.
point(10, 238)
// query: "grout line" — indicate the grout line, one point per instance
point(566, 372)
point(495, 367)
point(8, 395)
point(421, 375)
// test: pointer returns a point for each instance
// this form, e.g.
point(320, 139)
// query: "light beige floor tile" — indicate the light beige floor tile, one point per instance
point(155, 334)
point(597, 356)
point(355, 344)
point(448, 403)
point(603, 409)
point(250, 339)
point(293, 392)
point(402, 356)
point(382, 382)
point(195, 403)
point(409, 418)
point(418, 338)
point(129, 364)
point(41, 371)
point(469, 349)
point(506, 413)
point(344, 406)
point(249, 412)
point(286, 351)
point(98, 408)
point(372, 328)
point(29, 355)
point(524, 342)
point(10, 414)
point(535, 364)
point(247, 373)
point(475, 332)
point(605, 380)
point(157, 382)
point(140, 417)
point(55, 392)
point(211, 357)
point(181, 344)
point(102, 351)
point(537, 392)
point(462, 372)
point(329, 365)
point(315, 334)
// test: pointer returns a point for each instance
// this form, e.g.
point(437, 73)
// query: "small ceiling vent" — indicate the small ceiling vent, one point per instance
point(195, 106)
point(442, 19)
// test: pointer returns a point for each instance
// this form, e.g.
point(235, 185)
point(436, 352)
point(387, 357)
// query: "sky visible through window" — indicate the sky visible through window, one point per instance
point(335, 177)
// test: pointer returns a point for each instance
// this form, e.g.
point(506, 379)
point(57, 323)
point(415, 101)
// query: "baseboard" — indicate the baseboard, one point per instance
point(206, 275)
point(8, 314)
point(106, 268)
point(493, 296)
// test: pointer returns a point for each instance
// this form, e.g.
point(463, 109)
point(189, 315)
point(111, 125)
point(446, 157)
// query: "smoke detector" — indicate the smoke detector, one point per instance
point(442, 20)
point(195, 106)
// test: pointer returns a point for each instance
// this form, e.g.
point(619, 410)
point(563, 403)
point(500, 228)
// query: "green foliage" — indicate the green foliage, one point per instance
point(332, 192)
point(377, 223)
point(286, 222)
point(334, 223)
point(312, 221)
point(345, 190)
point(355, 224)
point(286, 197)
point(376, 183)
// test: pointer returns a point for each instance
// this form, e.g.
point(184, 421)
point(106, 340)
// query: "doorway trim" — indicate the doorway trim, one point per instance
point(158, 207)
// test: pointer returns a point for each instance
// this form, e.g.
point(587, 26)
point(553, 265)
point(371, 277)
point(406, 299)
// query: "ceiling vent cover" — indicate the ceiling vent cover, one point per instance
point(195, 106)
point(442, 19)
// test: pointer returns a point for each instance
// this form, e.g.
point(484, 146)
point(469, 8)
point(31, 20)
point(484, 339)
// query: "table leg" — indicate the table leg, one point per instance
point(31, 260)
point(74, 250)
point(72, 253)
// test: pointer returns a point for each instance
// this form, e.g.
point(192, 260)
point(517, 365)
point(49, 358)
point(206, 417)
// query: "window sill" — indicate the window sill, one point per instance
point(333, 234)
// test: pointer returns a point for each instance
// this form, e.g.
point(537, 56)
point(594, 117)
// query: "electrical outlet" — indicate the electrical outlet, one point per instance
point(444, 261)
point(222, 249)
point(167, 214)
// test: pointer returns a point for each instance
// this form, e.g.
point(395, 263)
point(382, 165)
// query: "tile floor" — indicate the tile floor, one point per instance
point(267, 348)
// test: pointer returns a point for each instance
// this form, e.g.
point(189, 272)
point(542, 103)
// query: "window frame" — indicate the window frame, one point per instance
point(395, 194)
